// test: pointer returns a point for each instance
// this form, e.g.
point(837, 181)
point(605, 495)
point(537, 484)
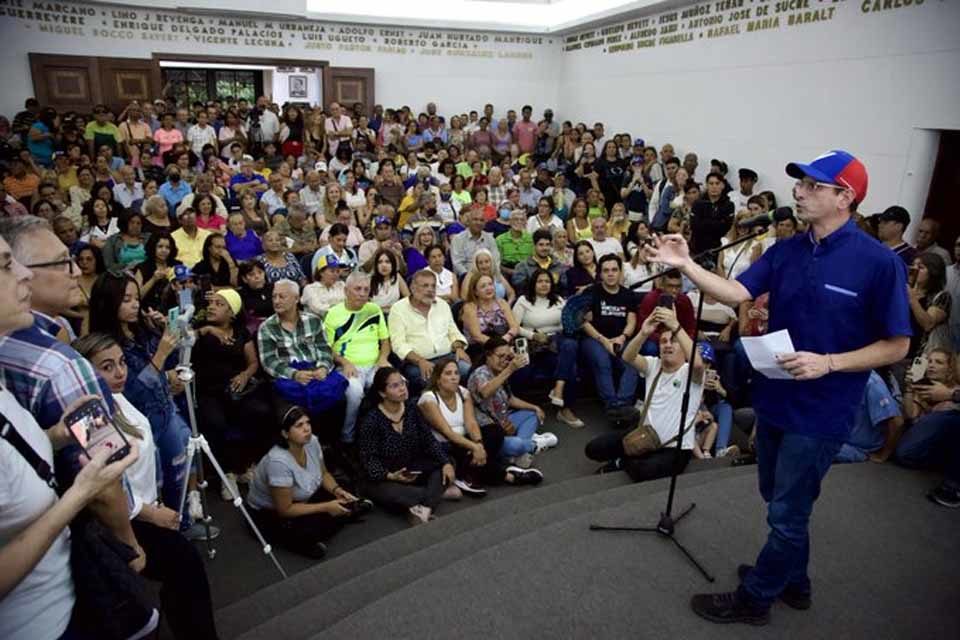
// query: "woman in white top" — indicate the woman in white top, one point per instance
point(36, 585)
point(386, 285)
point(544, 218)
point(737, 259)
point(100, 224)
point(637, 268)
point(447, 285)
point(171, 558)
point(552, 354)
point(326, 291)
point(449, 410)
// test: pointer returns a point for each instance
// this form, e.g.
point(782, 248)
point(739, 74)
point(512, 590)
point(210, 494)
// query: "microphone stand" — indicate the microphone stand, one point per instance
point(666, 526)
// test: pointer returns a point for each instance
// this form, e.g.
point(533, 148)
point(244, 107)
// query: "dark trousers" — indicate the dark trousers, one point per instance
point(790, 467)
point(547, 366)
point(185, 593)
point(239, 431)
point(656, 464)
point(933, 441)
point(397, 497)
point(492, 472)
point(300, 534)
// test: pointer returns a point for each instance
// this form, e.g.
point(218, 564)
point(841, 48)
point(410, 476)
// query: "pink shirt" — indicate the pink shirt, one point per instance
point(216, 222)
point(165, 141)
point(526, 135)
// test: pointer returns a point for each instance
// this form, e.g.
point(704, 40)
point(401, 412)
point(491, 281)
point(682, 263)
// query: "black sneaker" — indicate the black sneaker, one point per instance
point(792, 596)
point(623, 413)
point(525, 476)
point(317, 551)
point(614, 465)
point(728, 607)
point(945, 496)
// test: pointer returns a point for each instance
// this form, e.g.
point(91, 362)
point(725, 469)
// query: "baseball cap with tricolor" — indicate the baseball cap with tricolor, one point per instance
point(834, 167)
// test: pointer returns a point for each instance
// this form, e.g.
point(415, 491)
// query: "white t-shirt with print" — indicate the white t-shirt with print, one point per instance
point(664, 414)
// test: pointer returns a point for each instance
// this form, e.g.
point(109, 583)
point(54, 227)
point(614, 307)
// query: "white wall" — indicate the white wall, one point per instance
point(511, 73)
point(860, 81)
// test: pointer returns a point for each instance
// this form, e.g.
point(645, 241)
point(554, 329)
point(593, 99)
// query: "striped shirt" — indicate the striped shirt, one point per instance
point(46, 375)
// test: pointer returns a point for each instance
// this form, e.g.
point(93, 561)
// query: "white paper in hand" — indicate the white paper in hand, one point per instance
point(763, 351)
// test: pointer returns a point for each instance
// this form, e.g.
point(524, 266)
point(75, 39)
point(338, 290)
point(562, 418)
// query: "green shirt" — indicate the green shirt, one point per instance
point(102, 134)
point(356, 335)
point(514, 250)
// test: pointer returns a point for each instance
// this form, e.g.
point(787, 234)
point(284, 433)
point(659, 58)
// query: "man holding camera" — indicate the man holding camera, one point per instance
point(842, 297)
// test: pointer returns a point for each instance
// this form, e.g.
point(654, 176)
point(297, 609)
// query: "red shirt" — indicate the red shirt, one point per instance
point(685, 312)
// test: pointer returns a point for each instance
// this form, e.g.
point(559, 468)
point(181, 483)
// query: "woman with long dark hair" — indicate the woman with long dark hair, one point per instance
point(217, 262)
point(929, 304)
point(405, 469)
point(552, 354)
point(99, 223)
point(583, 273)
point(42, 137)
point(149, 350)
point(292, 132)
point(154, 273)
point(293, 498)
point(386, 284)
point(126, 248)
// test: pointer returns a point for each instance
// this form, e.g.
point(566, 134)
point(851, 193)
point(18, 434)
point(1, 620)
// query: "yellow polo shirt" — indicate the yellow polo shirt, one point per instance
point(189, 250)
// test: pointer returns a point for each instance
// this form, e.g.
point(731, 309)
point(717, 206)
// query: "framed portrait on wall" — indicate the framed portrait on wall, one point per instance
point(298, 86)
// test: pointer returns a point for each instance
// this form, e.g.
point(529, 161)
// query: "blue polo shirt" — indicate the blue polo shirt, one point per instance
point(836, 295)
point(869, 433)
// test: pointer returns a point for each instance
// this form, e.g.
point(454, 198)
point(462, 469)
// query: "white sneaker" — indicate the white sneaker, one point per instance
point(543, 441)
point(229, 488)
point(194, 506)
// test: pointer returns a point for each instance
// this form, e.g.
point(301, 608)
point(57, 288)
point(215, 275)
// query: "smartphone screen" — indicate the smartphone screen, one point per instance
point(93, 430)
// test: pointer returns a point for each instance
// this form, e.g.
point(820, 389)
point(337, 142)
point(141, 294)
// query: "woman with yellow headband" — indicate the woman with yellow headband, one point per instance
point(234, 408)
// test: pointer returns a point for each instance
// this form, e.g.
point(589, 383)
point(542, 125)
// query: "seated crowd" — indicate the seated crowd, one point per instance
point(385, 303)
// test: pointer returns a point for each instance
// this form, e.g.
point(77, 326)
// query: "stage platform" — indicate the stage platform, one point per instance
point(886, 564)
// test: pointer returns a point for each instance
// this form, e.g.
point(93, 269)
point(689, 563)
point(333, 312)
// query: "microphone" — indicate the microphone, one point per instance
point(768, 218)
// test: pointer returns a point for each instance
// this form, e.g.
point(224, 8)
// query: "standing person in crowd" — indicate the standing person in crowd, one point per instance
point(234, 408)
point(927, 234)
point(804, 420)
point(608, 325)
point(712, 214)
point(357, 333)
point(293, 498)
point(405, 469)
point(36, 581)
point(930, 304)
point(741, 196)
point(893, 224)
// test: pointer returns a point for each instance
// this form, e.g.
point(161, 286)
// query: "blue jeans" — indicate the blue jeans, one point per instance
point(605, 368)
point(723, 414)
point(171, 440)
point(520, 442)
point(933, 441)
point(790, 467)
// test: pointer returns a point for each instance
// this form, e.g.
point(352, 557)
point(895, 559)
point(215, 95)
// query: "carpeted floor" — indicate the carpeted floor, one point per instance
point(522, 561)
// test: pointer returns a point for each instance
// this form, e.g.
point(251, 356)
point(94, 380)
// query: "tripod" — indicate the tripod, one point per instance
point(198, 442)
point(666, 526)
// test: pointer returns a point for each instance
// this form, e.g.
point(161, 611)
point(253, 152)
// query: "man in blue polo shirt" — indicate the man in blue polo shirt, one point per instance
point(842, 296)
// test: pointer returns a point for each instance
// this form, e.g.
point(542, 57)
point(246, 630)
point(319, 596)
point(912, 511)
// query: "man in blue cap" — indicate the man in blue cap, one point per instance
point(842, 296)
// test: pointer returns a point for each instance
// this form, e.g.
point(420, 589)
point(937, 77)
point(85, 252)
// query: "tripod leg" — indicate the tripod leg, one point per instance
point(685, 513)
point(693, 560)
point(237, 502)
point(191, 451)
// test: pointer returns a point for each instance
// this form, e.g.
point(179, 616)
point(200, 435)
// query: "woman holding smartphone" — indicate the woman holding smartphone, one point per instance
point(171, 559)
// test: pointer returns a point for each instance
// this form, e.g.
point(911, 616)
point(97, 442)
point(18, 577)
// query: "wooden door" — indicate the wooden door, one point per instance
point(349, 85)
point(66, 83)
point(124, 80)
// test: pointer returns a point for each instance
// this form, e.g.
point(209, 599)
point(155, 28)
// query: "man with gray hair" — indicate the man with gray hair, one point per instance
point(313, 192)
point(466, 243)
point(357, 331)
point(43, 372)
point(295, 353)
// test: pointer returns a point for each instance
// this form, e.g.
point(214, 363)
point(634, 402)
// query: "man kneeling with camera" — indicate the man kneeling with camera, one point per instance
point(646, 452)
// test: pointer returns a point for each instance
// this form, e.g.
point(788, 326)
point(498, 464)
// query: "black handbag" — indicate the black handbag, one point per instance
point(111, 599)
